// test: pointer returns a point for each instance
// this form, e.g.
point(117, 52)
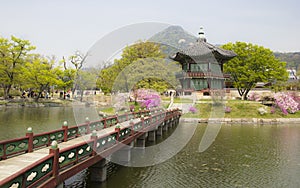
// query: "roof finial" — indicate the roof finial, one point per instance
point(201, 35)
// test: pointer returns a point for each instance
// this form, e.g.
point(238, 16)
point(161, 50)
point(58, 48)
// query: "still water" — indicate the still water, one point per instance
point(241, 156)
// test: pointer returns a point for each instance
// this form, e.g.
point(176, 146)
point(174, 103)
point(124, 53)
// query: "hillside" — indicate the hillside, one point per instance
point(173, 39)
point(292, 59)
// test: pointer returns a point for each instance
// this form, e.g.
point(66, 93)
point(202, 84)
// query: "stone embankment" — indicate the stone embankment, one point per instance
point(254, 121)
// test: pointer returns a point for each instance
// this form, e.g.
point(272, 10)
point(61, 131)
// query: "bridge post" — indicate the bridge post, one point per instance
point(55, 151)
point(141, 141)
point(159, 130)
point(65, 128)
point(98, 171)
point(165, 126)
point(104, 121)
point(123, 155)
point(29, 134)
point(94, 137)
point(87, 121)
point(152, 136)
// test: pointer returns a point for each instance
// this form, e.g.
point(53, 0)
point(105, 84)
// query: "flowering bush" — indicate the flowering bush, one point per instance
point(148, 98)
point(286, 103)
point(192, 109)
point(254, 96)
point(227, 109)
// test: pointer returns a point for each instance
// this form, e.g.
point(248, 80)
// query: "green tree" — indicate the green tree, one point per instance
point(13, 55)
point(85, 80)
point(253, 64)
point(150, 73)
point(39, 74)
point(140, 50)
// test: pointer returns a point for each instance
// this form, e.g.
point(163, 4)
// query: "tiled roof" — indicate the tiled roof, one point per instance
point(202, 48)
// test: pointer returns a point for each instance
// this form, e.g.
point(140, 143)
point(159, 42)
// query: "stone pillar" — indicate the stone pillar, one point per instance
point(152, 136)
point(98, 171)
point(159, 130)
point(141, 141)
point(170, 124)
point(123, 155)
point(165, 126)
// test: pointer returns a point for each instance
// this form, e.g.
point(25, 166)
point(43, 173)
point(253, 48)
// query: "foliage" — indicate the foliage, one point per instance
point(140, 66)
point(150, 73)
point(85, 80)
point(147, 98)
point(286, 103)
point(239, 109)
point(39, 74)
point(292, 59)
point(253, 64)
point(13, 55)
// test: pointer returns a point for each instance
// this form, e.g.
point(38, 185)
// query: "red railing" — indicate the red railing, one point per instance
point(201, 75)
point(51, 169)
point(30, 142)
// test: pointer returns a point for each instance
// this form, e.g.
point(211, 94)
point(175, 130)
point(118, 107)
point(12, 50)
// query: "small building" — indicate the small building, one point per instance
point(292, 74)
point(202, 66)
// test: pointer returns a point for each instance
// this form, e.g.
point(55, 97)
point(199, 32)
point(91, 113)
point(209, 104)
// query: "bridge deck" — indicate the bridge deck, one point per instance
point(14, 164)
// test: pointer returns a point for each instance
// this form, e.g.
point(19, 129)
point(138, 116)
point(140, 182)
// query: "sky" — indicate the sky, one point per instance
point(60, 27)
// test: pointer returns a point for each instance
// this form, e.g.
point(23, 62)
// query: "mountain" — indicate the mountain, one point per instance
point(173, 38)
point(292, 59)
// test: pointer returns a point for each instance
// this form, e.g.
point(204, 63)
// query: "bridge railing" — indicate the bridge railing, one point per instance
point(28, 143)
point(59, 160)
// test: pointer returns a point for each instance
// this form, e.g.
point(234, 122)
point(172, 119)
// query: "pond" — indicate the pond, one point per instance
point(241, 156)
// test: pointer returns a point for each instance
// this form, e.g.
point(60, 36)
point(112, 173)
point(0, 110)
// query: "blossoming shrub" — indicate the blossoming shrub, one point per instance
point(227, 109)
point(148, 98)
point(254, 96)
point(192, 109)
point(286, 103)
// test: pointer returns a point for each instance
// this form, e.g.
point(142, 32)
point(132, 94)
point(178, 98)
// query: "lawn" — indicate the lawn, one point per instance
point(239, 109)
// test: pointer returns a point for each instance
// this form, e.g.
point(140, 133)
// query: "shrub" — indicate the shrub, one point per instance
point(286, 103)
point(227, 109)
point(254, 97)
point(192, 109)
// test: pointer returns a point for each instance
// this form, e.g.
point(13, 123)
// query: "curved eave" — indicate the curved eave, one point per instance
point(202, 50)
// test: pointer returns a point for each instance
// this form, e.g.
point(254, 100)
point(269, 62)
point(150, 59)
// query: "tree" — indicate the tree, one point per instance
point(150, 73)
point(13, 54)
point(85, 80)
point(77, 60)
point(253, 64)
point(133, 53)
point(39, 74)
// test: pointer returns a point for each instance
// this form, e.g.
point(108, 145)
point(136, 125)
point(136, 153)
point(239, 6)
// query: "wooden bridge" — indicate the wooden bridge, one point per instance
point(47, 159)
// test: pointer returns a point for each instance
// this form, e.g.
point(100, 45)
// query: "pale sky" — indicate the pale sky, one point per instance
point(60, 27)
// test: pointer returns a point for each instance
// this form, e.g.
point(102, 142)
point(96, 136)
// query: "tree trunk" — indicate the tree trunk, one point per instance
point(6, 91)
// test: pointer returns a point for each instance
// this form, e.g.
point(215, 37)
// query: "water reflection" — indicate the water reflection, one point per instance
point(241, 156)
point(15, 121)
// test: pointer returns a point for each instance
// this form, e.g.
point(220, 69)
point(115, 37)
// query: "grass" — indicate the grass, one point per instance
point(177, 100)
point(239, 109)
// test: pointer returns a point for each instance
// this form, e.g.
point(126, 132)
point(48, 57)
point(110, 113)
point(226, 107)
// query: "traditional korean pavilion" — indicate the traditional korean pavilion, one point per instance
point(202, 66)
